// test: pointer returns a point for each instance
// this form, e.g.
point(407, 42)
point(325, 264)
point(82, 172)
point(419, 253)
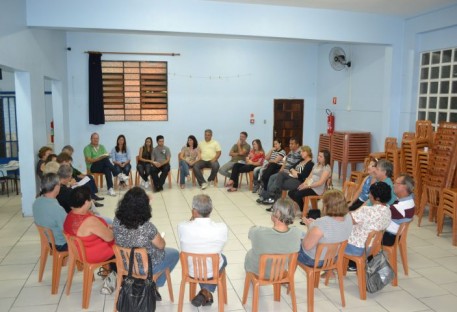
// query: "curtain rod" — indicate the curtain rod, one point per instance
point(136, 53)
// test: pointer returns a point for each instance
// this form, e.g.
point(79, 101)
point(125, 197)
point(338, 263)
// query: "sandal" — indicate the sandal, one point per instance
point(228, 184)
point(232, 189)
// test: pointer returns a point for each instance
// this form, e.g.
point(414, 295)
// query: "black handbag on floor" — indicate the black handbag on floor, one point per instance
point(136, 294)
point(379, 273)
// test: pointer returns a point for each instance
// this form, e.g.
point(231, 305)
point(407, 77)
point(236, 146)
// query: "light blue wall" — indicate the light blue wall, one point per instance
point(427, 32)
point(31, 54)
point(253, 73)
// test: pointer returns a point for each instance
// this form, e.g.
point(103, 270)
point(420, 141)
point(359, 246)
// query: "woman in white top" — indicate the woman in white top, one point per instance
point(316, 183)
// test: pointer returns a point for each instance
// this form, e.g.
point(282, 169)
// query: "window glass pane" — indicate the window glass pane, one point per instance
point(423, 88)
point(444, 88)
point(425, 59)
point(435, 74)
point(431, 116)
point(446, 71)
point(442, 117)
point(455, 55)
point(432, 102)
point(424, 73)
point(443, 102)
point(453, 117)
point(434, 87)
point(422, 102)
point(453, 102)
point(447, 56)
point(436, 57)
point(454, 71)
point(454, 87)
point(421, 116)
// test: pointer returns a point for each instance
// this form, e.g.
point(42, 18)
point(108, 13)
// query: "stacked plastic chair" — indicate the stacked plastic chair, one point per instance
point(441, 168)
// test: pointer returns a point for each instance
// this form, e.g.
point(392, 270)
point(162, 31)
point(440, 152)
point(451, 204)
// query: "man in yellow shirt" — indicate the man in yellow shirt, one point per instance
point(209, 152)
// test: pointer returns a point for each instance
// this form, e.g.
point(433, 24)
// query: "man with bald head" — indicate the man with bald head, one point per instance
point(97, 160)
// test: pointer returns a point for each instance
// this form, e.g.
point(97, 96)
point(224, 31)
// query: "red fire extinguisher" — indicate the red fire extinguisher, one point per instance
point(52, 131)
point(330, 122)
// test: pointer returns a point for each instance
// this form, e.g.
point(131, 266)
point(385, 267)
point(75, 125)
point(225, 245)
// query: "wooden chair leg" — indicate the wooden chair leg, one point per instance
point(310, 281)
point(182, 289)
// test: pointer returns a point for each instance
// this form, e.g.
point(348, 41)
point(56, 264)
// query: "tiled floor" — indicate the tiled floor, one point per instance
point(430, 286)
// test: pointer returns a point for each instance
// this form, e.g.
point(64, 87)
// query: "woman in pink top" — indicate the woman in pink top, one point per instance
point(255, 158)
point(95, 234)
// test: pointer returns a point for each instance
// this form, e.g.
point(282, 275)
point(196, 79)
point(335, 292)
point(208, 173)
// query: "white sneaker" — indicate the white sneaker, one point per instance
point(146, 184)
point(111, 192)
point(125, 178)
point(204, 185)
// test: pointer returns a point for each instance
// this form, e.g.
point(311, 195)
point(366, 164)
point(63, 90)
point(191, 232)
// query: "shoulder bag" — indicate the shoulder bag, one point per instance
point(379, 273)
point(137, 294)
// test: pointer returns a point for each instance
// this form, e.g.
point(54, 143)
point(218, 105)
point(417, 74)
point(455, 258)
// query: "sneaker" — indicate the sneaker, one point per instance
point(146, 184)
point(269, 209)
point(204, 186)
point(111, 192)
point(268, 201)
point(97, 204)
point(255, 188)
point(352, 268)
point(260, 200)
point(125, 178)
point(95, 197)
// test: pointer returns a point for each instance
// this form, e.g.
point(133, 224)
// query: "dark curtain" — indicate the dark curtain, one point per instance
point(96, 113)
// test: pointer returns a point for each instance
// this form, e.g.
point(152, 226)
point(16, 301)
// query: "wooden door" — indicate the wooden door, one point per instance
point(288, 120)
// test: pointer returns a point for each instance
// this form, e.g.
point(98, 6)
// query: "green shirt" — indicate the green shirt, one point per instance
point(91, 151)
point(266, 240)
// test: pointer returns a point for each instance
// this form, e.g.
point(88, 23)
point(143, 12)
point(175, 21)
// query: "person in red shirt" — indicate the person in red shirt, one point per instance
point(95, 234)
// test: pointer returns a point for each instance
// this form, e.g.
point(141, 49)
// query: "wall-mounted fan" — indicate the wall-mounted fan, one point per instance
point(337, 59)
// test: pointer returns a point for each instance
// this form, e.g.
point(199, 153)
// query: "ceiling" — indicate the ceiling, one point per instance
point(402, 8)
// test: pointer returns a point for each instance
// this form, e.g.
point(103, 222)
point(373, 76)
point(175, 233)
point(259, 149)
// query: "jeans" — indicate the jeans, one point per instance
point(106, 167)
point(184, 168)
point(144, 170)
point(119, 169)
point(226, 169)
point(307, 260)
point(91, 184)
point(159, 181)
point(199, 165)
point(271, 169)
point(212, 287)
point(353, 250)
point(170, 260)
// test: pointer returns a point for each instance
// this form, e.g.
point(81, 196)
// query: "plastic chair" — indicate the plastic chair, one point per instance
point(350, 190)
point(281, 270)
point(77, 253)
point(48, 246)
point(391, 251)
point(448, 207)
point(333, 259)
point(98, 178)
point(373, 246)
point(140, 268)
point(200, 264)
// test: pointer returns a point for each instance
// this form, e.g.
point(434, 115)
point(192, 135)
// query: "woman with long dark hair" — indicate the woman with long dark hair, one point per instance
point(120, 157)
point(187, 158)
point(316, 183)
point(145, 162)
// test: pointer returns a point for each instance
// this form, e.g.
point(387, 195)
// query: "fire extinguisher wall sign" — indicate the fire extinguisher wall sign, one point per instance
point(330, 122)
